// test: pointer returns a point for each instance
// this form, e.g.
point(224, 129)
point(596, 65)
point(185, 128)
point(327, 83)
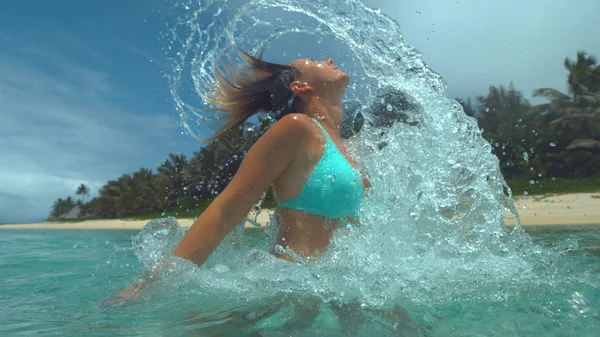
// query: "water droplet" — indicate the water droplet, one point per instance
point(531, 182)
point(526, 156)
point(553, 144)
point(163, 214)
point(389, 107)
point(580, 303)
point(525, 193)
point(278, 249)
point(524, 207)
point(221, 268)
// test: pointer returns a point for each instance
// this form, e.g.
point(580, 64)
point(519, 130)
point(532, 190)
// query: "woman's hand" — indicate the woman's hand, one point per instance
point(133, 293)
point(125, 297)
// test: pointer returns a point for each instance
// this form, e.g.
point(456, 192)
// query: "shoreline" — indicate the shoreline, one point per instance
point(573, 209)
point(121, 224)
point(577, 209)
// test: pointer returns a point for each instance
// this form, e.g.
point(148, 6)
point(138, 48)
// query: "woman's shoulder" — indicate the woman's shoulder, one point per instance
point(294, 124)
point(295, 119)
point(292, 128)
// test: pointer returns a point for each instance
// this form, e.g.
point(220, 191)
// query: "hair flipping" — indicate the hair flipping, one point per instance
point(253, 87)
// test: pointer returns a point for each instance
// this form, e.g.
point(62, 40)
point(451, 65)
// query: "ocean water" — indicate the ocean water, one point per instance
point(432, 255)
point(54, 280)
point(430, 258)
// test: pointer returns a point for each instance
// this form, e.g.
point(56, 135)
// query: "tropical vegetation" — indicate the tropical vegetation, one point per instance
point(540, 147)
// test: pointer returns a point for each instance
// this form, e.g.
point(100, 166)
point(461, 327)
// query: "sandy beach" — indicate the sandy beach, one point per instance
point(262, 219)
point(567, 209)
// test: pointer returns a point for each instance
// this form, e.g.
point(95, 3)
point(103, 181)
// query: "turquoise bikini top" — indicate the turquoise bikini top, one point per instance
point(333, 189)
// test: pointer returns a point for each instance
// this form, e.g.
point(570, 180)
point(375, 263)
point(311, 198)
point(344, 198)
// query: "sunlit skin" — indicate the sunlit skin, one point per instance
point(282, 158)
point(321, 87)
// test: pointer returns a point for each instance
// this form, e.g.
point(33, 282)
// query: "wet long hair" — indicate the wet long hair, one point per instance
point(254, 86)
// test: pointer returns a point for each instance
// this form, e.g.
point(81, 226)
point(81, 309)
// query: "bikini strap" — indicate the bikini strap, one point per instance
point(328, 139)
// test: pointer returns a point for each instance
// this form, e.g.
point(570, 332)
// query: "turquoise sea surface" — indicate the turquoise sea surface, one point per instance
point(52, 282)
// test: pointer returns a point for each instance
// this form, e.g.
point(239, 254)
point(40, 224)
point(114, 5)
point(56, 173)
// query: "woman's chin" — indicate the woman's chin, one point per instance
point(344, 78)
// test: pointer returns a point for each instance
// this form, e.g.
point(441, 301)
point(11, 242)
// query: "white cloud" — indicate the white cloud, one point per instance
point(61, 125)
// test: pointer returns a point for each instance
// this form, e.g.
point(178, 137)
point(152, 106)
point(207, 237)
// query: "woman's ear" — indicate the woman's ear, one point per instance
point(300, 88)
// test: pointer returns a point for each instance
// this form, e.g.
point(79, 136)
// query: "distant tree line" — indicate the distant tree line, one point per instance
point(179, 184)
point(559, 139)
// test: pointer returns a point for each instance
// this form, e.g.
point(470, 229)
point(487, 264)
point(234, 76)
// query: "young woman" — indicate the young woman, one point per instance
point(302, 156)
point(318, 186)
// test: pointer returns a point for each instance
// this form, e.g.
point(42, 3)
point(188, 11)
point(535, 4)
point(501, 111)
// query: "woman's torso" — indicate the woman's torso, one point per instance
point(302, 234)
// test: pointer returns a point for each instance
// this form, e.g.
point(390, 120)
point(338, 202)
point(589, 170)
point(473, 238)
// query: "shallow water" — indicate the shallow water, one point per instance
point(432, 240)
point(53, 281)
point(431, 256)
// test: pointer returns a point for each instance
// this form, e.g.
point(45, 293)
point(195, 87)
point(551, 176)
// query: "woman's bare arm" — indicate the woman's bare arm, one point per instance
point(265, 161)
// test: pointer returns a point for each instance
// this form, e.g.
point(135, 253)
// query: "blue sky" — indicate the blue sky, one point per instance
point(84, 99)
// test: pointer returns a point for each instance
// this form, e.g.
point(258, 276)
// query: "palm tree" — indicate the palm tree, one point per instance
point(584, 74)
point(110, 202)
point(173, 168)
point(83, 191)
point(578, 119)
point(61, 207)
point(142, 187)
point(575, 120)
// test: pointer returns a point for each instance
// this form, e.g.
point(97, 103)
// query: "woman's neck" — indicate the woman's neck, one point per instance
point(328, 113)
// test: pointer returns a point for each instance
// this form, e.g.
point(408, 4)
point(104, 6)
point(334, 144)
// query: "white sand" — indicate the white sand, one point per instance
point(263, 219)
point(567, 209)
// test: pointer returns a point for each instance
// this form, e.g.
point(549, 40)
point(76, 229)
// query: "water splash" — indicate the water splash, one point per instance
point(432, 232)
point(438, 197)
